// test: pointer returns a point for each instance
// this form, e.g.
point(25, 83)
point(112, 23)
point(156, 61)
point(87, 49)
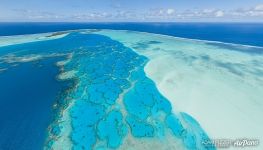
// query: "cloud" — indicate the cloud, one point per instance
point(30, 14)
point(170, 11)
point(90, 16)
point(256, 11)
point(219, 13)
point(157, 14)
point(198, 14)
point(259, 7)
point(152, 14)
point(244, 14)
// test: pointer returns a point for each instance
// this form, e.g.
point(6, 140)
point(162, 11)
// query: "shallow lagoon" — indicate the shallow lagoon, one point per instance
point(113, 103)
point(219, 84)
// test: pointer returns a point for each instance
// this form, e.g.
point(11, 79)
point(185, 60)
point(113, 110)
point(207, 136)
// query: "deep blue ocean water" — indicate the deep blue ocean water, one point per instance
point(27, 93)
point(240, 33)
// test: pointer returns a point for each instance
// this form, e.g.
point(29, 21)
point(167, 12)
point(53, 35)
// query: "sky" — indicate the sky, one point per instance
point(131, 10)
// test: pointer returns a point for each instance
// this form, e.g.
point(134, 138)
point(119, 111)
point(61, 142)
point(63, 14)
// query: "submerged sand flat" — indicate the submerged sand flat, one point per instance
point(220, 85)
point(19, 39)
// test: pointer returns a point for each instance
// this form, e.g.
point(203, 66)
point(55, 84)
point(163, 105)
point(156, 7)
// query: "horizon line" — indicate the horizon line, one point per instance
point(102, 22)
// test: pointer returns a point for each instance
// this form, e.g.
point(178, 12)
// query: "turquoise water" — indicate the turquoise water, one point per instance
point(110, 99)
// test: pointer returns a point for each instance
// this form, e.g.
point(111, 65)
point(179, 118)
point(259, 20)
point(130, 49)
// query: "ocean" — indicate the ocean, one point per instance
point(239, 33)
point(27, 95)
point(87, 89)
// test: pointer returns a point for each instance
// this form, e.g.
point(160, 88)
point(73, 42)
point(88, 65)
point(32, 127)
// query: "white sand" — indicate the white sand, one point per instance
point(226, 104)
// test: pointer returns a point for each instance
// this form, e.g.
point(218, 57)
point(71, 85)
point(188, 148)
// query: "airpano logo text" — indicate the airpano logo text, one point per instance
point(226, 143)
point(245, 142)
